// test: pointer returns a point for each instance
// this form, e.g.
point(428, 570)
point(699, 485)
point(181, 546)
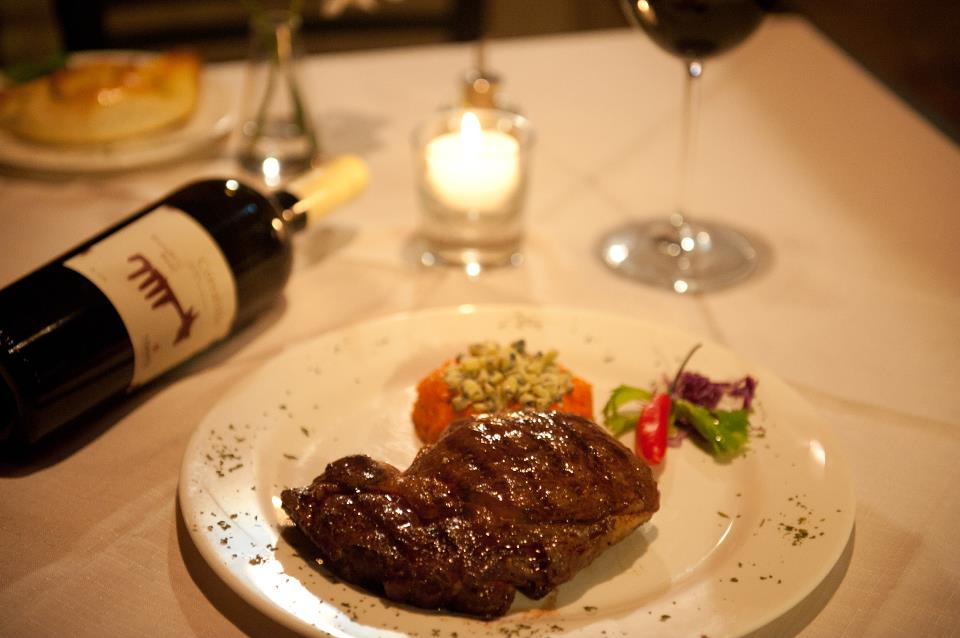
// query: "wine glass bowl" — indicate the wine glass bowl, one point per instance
point(674, 251)
point(695, 29)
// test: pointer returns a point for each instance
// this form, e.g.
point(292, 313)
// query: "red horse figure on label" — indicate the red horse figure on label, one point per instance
point(157, 284)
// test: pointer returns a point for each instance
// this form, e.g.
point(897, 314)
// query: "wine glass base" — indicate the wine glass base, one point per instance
point(709, 258)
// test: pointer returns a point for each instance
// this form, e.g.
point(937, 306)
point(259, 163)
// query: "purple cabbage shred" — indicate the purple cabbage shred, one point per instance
point(700, 390)
point(676, 437)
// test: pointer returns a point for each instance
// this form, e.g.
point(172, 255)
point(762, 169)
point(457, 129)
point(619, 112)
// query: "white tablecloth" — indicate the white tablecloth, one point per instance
point(853, 196)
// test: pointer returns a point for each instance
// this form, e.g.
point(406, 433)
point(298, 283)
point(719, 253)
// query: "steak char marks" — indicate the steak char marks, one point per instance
point(517, 501)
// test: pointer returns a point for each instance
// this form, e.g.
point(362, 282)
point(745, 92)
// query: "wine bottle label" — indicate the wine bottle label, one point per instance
point(170, 284)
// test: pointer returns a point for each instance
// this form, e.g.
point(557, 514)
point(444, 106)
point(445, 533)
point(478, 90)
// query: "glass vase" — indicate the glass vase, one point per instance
point(277, 135)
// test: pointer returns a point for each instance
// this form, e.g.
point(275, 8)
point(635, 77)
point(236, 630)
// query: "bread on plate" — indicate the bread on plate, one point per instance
point(104, 98)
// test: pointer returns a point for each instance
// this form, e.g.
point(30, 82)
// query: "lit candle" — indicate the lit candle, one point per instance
point(473, 168)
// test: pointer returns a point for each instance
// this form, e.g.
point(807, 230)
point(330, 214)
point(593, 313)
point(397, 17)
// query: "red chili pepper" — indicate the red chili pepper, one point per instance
point(652, 427)
point(654, 421)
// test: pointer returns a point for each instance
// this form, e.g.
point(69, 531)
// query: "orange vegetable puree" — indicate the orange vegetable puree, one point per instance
point(433, 410)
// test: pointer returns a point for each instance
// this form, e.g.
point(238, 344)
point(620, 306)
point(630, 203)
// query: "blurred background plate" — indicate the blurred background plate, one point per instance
point(211, 121)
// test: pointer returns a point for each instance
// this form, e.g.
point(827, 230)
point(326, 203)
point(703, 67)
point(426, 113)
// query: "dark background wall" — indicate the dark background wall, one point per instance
point(911, 45)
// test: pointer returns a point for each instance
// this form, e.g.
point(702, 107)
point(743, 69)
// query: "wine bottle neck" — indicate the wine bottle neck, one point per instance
point(294, 220)
point(321, 190)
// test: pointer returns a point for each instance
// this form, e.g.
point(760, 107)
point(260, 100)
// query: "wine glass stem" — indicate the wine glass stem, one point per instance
point(688, 143)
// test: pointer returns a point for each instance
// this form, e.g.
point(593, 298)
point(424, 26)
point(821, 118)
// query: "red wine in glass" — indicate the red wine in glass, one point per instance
point(696, 29)
point(677, 252)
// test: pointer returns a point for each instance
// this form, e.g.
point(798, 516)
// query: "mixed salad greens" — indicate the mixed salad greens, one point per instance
point(718, 412)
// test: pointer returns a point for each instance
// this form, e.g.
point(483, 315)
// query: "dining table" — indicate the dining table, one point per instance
point(850, 196)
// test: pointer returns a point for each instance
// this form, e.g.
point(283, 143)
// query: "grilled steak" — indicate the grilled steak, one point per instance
point(517, 501)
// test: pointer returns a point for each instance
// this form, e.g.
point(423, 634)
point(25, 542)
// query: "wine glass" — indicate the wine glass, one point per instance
point(677, 252)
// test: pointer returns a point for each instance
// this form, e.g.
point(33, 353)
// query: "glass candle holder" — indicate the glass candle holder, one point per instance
point(472, 170)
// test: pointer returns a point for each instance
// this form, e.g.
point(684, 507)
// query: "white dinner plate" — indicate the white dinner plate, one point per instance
point(733, 546)
point(212, 120)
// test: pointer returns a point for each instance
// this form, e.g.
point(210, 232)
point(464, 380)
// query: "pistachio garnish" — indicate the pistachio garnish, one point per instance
point(491, 377)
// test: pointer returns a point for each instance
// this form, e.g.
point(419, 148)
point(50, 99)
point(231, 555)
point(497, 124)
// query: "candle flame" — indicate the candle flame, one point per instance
point(471, 135)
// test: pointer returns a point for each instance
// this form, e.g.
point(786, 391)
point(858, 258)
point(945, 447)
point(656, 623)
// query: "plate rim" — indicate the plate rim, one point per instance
point(33, 157)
